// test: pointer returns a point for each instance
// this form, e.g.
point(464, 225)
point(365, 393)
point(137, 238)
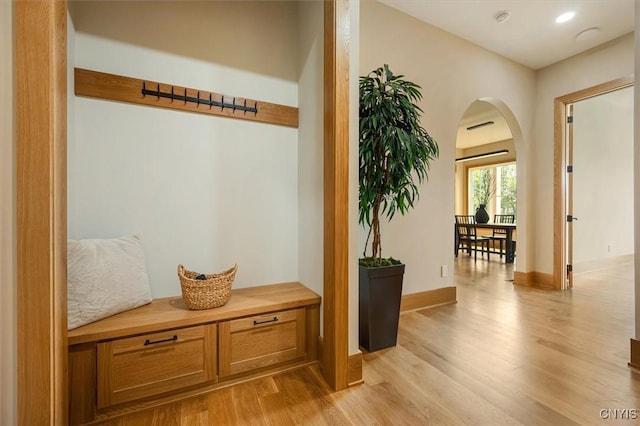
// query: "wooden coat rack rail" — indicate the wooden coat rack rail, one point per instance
point(144, 92)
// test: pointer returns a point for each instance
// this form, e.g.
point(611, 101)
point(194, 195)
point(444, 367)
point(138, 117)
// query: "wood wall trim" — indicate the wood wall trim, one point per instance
point(598, 89)
point(524, 279)
point(426, 299)
point(41, 134)
point(336, 194)
point(534, 279)
point(559, 165)
point(544, 281)
point(126, 89)
point(635, 354)
point(355, 369)
point(559, 185)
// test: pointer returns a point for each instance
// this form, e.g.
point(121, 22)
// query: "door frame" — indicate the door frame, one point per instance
point(560, 166)
point(40, 29)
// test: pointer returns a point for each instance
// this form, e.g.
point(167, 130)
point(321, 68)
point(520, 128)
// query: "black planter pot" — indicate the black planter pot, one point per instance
point(379, 302)
point(482, 216)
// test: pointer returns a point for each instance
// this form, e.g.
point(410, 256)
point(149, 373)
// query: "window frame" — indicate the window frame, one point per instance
point(493, 202)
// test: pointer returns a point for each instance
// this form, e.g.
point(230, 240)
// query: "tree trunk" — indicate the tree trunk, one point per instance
point(376, 246)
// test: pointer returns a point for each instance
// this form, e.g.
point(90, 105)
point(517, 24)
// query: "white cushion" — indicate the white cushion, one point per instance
point(104, 277)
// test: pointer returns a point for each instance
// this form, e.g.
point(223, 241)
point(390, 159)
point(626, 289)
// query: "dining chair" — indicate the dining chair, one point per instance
point(500, 234)
point(466, 232)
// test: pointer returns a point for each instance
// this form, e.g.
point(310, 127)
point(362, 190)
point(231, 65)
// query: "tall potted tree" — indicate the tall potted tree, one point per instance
point(394, 151)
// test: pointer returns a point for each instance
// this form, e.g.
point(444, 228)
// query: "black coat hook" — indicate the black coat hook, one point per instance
point(234, 105)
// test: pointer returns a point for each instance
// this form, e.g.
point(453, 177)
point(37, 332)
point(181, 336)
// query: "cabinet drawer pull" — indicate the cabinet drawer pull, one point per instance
point(264, 322)
point(170, 339)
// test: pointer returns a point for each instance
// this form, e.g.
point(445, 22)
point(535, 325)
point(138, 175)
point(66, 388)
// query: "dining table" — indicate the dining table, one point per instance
point(510, 252)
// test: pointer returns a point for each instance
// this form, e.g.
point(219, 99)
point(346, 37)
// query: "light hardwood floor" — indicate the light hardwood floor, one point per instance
point(502, 355)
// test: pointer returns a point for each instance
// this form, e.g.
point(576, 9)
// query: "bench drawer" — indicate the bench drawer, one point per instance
point(252, 343)
point(155, 363)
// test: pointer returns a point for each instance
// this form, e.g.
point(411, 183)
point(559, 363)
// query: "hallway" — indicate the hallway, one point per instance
point(509, 355)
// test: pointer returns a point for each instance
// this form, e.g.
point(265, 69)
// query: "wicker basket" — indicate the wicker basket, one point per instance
point(212, 292)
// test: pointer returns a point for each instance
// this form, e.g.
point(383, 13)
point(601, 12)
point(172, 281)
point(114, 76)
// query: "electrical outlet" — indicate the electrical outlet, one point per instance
point(443, 271)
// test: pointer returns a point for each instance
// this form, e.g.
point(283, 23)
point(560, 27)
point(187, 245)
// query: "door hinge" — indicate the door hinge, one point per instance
point(570, 119)
point(569, 169)
point(569, 268)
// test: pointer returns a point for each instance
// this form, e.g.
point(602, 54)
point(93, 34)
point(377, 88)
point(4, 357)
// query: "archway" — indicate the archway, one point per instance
point(488, 138)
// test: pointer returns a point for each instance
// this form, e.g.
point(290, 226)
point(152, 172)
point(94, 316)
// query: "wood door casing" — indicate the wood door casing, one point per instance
point(335, 343)
point(559, 170)
point(40, 29)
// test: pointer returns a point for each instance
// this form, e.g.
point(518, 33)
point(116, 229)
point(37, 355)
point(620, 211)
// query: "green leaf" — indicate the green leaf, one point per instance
point(394, 148)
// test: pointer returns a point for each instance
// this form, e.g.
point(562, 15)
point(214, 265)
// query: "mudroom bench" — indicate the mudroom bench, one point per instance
point(162, 352)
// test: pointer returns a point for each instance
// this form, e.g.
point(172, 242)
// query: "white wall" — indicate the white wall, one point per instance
point(603, 176)
point(203, 191)
point(310, 148)
point(439, 62)
point(8, 389)
point(599, 65)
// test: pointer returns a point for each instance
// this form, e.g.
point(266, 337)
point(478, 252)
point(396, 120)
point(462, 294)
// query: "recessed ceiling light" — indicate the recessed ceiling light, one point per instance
point(502, 16)
point(567, 16)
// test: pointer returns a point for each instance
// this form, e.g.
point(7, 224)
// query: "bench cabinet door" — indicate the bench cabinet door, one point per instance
point(252, 343)
point(155, 363)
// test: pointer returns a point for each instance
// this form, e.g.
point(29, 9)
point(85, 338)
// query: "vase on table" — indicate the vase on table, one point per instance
point(481, 214)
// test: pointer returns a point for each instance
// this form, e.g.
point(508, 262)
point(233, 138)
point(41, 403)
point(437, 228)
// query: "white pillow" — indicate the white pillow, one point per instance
point(104, 277)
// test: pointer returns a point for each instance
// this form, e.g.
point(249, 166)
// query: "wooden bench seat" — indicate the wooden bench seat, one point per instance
point(163, 351)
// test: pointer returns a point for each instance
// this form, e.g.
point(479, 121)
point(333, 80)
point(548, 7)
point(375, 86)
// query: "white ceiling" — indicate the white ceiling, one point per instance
point(529, 36)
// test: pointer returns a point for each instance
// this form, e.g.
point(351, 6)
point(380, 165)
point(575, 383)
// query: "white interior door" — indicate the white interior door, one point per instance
point(599, 181)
